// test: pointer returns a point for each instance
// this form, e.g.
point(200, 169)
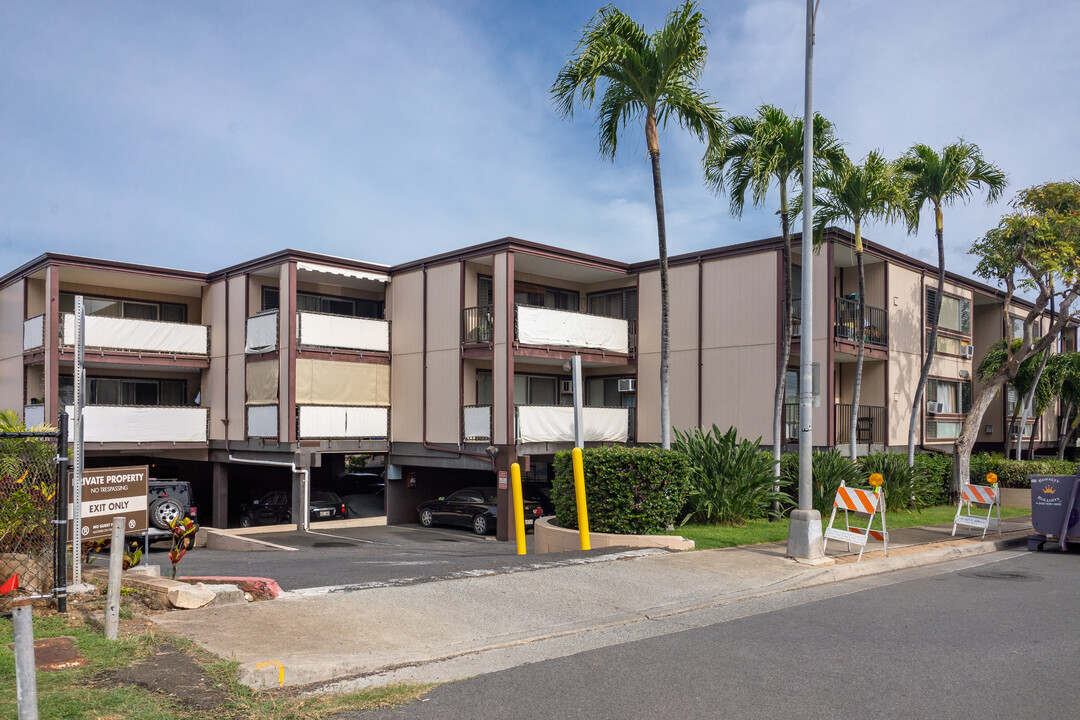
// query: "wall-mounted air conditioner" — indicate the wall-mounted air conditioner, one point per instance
point(566, 387)
point(967, 351)
point(627, 385)
point(934, 407)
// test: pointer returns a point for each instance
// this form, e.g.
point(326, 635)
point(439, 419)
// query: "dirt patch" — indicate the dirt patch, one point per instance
point(171, 672)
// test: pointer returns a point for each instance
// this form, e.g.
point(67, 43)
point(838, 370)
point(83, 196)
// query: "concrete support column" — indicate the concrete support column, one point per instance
point(220, 495)
point(299, 500)
point(505, 527)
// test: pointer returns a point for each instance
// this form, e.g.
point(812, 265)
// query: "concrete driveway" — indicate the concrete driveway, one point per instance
point(351, 558)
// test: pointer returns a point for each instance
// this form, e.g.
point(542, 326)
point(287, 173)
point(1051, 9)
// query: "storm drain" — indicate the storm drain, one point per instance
point(333, 544)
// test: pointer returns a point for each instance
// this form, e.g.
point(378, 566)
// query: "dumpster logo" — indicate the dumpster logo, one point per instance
point(1049, 490)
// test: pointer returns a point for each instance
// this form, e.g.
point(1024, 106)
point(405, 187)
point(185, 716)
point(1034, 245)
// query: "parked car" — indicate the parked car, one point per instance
point(475, 507)
point(168, 500)
point(275, 508)
point(364, 494)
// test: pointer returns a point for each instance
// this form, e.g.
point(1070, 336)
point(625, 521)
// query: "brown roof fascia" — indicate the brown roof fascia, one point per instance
point(289, 255)
point(60, 260)
point(517, 245)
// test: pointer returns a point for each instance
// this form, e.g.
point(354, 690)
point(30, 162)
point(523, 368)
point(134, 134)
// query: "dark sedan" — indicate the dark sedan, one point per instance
point(475, 508)
point(275, 508)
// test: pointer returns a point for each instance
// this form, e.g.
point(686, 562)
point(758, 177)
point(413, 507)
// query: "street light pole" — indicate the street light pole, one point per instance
point(804, 533)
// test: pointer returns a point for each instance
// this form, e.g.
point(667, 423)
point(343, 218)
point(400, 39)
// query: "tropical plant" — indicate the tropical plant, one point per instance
point(182, 530)
point(829, 469)
point(654, 76)
point(1030, 384)
point(853, 194)
point(905, 486)
point(27, 488)
point(941, 179)
point(132, 556)
point(1066, 367)
point(749, 158)
point(1031, 247)
point(731, 481)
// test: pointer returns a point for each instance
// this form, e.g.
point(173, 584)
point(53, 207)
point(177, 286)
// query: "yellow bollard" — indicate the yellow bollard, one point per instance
point(519, 511)
point(579, 491)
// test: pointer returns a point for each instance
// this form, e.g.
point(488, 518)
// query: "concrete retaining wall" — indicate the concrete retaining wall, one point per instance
point(550, 538)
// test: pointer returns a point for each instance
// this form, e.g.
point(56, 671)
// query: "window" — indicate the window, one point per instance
point(539, 296)
point(485, 294)
point(955, 313)
point(954, 396)
point(131, 309)
point(616, 304)
point(948, 345)
point(604, 392)
point(943, 429)
point(124, 391)
point(326, 304)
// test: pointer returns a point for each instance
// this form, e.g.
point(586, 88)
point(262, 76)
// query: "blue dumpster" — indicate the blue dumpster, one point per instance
point(1055, 509)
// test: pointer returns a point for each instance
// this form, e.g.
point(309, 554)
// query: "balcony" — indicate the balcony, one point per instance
point(34, 333)
point(262, 333)
point(262, 421)
point(342, 422)
point(562, 328)
point(34, 415)
point(477, 324)
point(143, 336)
point(869, 429)
point(555, 423)
point(875, 323)
point(342, 332)
point(143, 424)
point(476, 422)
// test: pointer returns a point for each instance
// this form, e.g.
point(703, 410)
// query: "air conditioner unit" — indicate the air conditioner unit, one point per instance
point(627, 385)
point(933, 407)
point(967, 351)
point(566, 387)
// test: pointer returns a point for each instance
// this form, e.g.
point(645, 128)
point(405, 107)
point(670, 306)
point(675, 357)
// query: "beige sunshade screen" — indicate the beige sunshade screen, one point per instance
point(262, 382)
point(326, 382)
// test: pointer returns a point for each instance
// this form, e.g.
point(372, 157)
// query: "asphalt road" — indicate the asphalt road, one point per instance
point(363, 557)
point(990, 640)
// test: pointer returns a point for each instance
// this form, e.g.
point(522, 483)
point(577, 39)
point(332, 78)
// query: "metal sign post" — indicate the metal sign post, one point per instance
point(579, 412)
point(77, 437)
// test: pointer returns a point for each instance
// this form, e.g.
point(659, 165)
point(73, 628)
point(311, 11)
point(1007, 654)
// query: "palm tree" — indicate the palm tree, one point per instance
point(941, 179)
point(655, 76)
point(854, 193)
point(757, 152)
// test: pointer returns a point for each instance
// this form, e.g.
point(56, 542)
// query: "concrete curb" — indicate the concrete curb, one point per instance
point(550, 538)
point(225, 540)
point(160, 587)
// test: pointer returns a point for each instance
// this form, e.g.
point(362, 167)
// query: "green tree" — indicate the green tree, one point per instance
point(854, 194)
point(1066, 367)
point(748, 159)
point(1030, 249)
point(651, 76)
point(940, 179)
point(1029, 381)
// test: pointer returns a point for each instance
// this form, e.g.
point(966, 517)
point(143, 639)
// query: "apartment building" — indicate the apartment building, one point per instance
point(267, 374)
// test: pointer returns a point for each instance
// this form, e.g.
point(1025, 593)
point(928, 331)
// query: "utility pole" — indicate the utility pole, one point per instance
point(804, 533)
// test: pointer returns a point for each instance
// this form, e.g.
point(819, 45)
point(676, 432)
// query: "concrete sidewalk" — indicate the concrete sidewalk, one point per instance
point(372, 632)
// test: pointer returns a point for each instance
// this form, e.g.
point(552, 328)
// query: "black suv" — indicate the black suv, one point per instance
point(169, 500)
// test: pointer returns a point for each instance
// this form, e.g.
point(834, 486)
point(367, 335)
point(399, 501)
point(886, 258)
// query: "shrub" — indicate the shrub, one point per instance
point(631, 491)
point(937, 467)
point(829, 468)
point(905, 487)
point(730, 481)
point(1013, 473)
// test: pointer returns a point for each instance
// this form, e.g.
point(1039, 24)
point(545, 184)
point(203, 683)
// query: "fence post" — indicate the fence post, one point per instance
point(60, 557)
point(25, 666)
point(112, 595)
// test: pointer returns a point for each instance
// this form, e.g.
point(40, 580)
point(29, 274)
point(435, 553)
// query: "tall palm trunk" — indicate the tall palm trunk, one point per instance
point(935, 313)
point(861, 329)
point(661, 234)
point(785, 352)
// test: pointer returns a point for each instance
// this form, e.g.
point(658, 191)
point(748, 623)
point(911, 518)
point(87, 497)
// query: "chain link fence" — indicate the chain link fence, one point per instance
point(29, 505)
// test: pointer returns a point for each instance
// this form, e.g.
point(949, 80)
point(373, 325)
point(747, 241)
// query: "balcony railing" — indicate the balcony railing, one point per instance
point(34, 333)
point(870, 426)
point(791, 422)
point(875, 323)
point(341, 422)
point(476, 422)
point(796, 318)
point(555, 423)
point(342, 332)
point(563, 328)
point(110, 333)
point(477, 324)
point(262, 421)
point(143, 424)
point(33, 415)
point(262, 333)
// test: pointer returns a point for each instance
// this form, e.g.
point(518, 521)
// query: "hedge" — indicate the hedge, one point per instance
point(630, 491)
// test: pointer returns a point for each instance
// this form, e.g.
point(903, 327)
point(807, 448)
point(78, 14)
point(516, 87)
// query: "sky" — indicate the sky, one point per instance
point(196, 135)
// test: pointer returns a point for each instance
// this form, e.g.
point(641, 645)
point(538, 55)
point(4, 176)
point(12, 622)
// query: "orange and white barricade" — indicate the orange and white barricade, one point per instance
point(988, 496)
point(863, 503)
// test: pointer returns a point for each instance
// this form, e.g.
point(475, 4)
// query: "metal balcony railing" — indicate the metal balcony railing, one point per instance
point(477, 324)
point(875, 323)
point(870, 427)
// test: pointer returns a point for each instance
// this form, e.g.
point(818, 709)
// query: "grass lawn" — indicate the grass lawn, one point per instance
point(706, 537)
point(87, 692)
